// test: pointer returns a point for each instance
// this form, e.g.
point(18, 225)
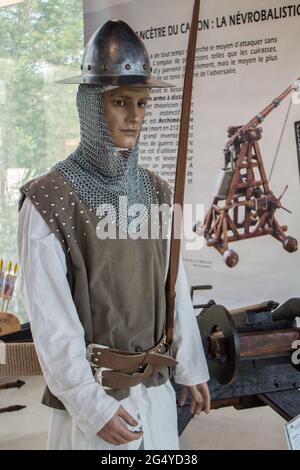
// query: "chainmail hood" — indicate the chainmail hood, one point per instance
point(99, 171)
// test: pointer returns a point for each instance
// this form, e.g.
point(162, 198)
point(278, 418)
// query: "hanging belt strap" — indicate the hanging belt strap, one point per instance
point(117, 369)
point(180, 171)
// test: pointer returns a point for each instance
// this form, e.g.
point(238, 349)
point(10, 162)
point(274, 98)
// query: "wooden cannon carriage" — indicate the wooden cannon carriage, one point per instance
point(253, 355)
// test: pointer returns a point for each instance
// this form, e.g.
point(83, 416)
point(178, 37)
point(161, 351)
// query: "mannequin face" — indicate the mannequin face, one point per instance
point(124, 109)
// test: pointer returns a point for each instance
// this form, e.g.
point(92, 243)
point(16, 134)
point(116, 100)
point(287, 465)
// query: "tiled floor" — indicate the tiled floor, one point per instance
point(226, 428)
point(259, 428)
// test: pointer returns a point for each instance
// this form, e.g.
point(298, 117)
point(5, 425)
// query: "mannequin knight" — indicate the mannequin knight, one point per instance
point(100, 332)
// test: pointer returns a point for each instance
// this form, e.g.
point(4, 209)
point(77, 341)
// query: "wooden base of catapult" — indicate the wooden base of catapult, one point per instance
point(247, 208)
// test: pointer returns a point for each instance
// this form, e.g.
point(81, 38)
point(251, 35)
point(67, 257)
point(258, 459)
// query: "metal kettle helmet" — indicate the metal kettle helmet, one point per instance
point(116, 56)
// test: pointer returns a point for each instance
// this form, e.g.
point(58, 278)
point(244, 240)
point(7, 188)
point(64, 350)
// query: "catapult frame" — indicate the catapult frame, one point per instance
point(244, 206)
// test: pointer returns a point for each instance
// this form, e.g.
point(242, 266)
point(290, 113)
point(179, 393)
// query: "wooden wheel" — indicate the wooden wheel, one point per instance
point(290, 244)
point(217, 321)
point(231, 258)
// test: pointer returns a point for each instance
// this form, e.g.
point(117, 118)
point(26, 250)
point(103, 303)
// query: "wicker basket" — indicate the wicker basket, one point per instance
point(20, 359)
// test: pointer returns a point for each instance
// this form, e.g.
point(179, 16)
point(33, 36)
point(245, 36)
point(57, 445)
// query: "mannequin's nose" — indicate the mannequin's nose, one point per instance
point(133, 114)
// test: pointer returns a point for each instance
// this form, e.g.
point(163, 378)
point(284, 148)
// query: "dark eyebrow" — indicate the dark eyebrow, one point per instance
point(130, 97)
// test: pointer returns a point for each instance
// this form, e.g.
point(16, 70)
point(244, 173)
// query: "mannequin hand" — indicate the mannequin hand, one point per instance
point(200, 398)
point(116, 433)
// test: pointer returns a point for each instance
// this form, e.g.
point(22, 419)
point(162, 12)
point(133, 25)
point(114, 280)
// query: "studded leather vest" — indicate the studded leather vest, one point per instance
point(117, 284)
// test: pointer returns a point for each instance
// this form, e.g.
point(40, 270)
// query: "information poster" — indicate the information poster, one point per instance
point(247, 54)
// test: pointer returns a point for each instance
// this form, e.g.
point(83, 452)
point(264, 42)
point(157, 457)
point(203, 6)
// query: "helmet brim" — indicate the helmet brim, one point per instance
point(117, 81)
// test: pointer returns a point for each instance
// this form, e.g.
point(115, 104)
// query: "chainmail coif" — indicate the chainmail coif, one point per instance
point(99, 171)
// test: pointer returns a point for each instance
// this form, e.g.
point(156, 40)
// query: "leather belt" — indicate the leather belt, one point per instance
point(117, 369)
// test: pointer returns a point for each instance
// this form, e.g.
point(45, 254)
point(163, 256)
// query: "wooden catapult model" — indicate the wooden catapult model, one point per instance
point(244, 206)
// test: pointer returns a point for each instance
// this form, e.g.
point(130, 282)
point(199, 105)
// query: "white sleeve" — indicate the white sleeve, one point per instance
point(56, 328)
point(187, 344)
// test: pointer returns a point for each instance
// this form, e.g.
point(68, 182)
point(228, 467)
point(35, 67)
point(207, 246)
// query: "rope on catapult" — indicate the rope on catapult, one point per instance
point(20, 359)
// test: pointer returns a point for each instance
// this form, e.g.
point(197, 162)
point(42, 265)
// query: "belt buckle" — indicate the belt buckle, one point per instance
point(90, 351)
point(99, 377)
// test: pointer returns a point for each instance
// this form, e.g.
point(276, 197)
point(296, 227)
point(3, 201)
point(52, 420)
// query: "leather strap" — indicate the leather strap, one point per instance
point(121, 362)
point(180, 172)
point(127, 369)
point(120, 380)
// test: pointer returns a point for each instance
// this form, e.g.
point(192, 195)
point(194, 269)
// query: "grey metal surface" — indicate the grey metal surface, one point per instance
point(116, 56)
